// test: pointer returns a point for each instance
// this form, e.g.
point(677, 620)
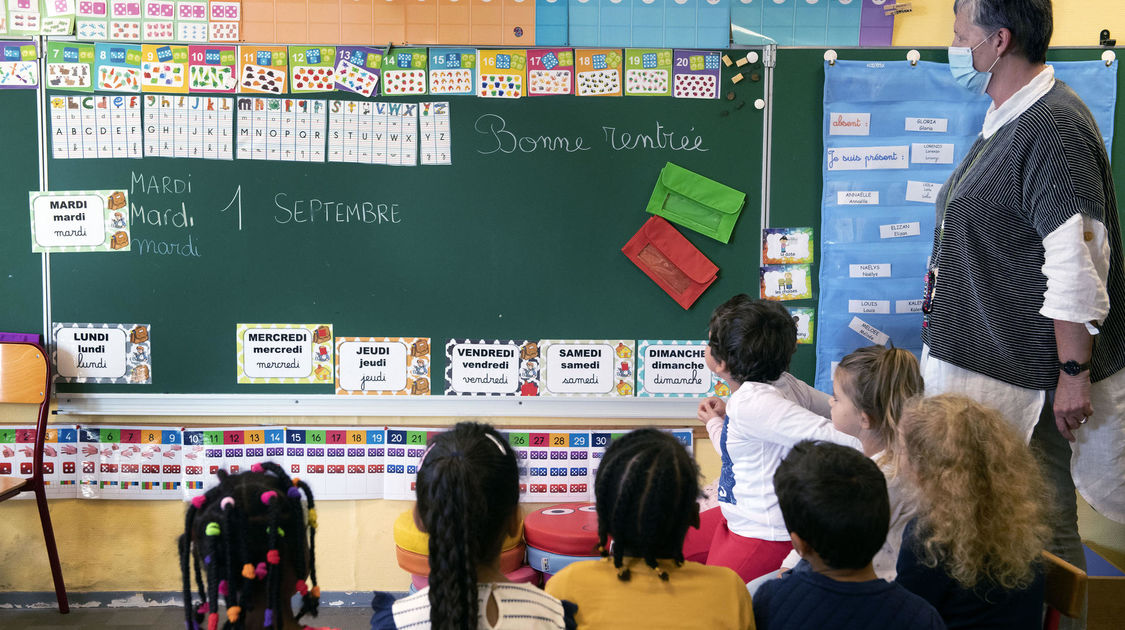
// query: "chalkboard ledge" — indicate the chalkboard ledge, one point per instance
point(329, 405)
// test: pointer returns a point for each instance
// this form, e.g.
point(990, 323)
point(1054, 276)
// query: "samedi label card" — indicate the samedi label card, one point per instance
point(786, 282)
point(284, 353)
point(496, 367)
point(787, 246)
point(103, 353)
point(79, 221)
point(383, 365)
point(588, 367)
point(673, 369)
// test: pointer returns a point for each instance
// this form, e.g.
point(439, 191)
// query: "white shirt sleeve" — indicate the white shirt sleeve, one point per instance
point(715, 432)
point(1076, 263)
point(804, 394)
point(769, 416)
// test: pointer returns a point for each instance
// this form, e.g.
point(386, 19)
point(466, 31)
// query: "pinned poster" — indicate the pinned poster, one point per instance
point(599, 72)
point(648, 72)
point(129, 462)
point(786, 282)
point(60, 456)
point(383, 366)
point(79, 221)
point(404, 450)
point(553, 465)
point(164, 68)
point(19, 67)
point(262, 69)
point(312, 69)
point(805, 318)
point(70, 66)
point(501, 73)
point(452, 70)
point(284, 353)
point(212, 68)
point(588, 367)
point(550, 71)
point(787, 246)
point(103, 353)
point(117, 67)
point(358, 68)
point(497, 367)
point(696, 74)
point(675, 369)
point(404, 71)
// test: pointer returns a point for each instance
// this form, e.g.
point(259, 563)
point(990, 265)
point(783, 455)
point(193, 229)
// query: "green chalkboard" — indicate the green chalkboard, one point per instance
point(21, 272)
point(518, 238)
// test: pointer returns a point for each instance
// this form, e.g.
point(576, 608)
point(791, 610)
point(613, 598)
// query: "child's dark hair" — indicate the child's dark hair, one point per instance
point(467, 490)
point(245, 532)
point(755, 338)
point(836, 500)
point(647, 487)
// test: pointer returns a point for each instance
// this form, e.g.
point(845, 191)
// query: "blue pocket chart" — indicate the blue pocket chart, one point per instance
point(648, 23)
point(551, 22)
point(810, 23)
point(583, 24)
point(614, 23)
point(713, 24)
point(680, 23)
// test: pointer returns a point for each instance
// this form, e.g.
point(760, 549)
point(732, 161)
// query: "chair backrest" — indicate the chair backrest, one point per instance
point(1065, 585)
point(23, 373)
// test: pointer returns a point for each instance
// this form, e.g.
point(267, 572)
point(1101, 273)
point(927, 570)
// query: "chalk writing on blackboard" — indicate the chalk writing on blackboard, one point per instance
point(661, 139)
point(320, 211)
point(501, 139)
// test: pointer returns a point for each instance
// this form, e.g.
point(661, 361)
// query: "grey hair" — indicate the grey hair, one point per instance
point(1030, 22)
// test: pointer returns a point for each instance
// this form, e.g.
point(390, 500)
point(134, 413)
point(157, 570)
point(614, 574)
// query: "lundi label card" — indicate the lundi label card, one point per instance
point(602, 367)
point(103, 353)
point(383, 365)
point(284, 353)
point(497, 367)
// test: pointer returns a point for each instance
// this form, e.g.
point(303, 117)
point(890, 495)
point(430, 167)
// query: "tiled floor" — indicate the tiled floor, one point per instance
point(166, 617)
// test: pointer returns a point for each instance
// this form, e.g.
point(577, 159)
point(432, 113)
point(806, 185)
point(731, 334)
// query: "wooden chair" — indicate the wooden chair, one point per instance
point(25, 377)
point(1065, 592)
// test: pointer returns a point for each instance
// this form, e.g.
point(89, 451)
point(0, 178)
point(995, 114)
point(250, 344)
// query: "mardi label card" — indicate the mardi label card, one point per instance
point(60, 457)
point(674, 369)
point(262, 69)
point(358, 68)
point(786, 282)
point(79, 221)
point(648, 72)
point(452, 70)
point(787, 246)
point(212, 68)
point(70, 66)
point(383, 365)
point(553, 465)
point(103, 353)
point(18, 65)
point(404, 71)
point(599, 72)
point(497, 367)
point(164, 68)
point(284, 353)
point(117, 67)
point(805, 318)
point(501, 73)
point(550, 71)
point(588, 367)
point(337, 463)
point(404, 451)
point(696, 74)
point(312, 69)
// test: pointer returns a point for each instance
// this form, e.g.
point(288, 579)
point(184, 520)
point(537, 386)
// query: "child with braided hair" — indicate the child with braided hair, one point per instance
point(468, 501)
point(249, 545)
point(647, 488)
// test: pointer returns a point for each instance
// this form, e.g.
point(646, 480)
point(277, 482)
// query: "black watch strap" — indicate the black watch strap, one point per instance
point(1074, 368)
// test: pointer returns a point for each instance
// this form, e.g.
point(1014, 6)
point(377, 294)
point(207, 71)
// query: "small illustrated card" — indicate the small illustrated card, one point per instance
point(805, 318)
point(23, 17)
point(786, 282)
point(404, 71)
point(262, 69)
point(57, 17)
point(70, 66)
point(284, 353)
point(358, 68)
point(696, 74)
point(452, 70)
point(550, 71)
point(553, 465)
point(60, 457)
point(434, 136)
point(212, 68)
point(674, 369)
point(158, 23)
point(599, 72)
point(164, 68)
point(117, 67)
point(787, 246)
point(648, 72)
point(588, 367)
point(496, 367)
point(312, 69)
point(404, 451)
point(79, 221)
point(191, 10)
point(18, 65)
point(501, 73)
point(103, 353)
point(124, 30)
point(383, 365)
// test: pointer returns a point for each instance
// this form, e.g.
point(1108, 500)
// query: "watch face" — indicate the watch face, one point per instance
point(1073, 368)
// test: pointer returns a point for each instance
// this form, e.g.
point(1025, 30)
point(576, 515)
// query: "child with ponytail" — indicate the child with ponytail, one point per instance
point(251, 550)
point(467, 501)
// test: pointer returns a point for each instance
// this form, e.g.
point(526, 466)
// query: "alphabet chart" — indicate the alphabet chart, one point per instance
point(374, 133)
point(188, 126)
point(60, 454)
point(130, 462)
point(95, 127)
point(284, 129)
point(435, 135)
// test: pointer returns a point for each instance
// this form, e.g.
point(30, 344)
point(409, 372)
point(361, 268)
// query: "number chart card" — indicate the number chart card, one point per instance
point(161, 458)
point(262, 69)
point(197, 474)
point(599, 72)
point(553, 465)
point(550, 71)
point(125, 20)
point(22, 17)
point(284, 353)
point(226, 18)
point(363, 477)
point(696, 74)
point(117, 67)
point(786, 282)
point(501, 73)
point(286, 129)
point(404, 451)
point(674, 369)
point(600, 440)
point(127, 462)
point(434, 135)
point(70, 66)
point(236, 449)
point(452, 70)
point(159, 21)
point(404, 71)
point(164, 68)
point(383, 366)
point(787, 246)
point(212, 68)
point(648, 72)
point(92, 22)
point(60, 456)
point(497, 367)
point(334, 462)
point(358, 68)
point(103, 353)
point(312, 69)
point(588, 367)
point(191, 21)
point(79, 220)
point(18, 65)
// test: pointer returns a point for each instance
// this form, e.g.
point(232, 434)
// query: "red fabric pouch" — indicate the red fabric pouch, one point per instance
point(671, 261)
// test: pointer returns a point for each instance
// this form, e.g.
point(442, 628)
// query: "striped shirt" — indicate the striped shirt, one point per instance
point(522, 607)
point(1011, 191)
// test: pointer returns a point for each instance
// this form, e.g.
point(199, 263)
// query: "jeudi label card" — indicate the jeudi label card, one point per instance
point(383, 365)
point(103, 353)
point(284, 353)
point(673, 369)
point(497, 367)
point(588, 367)
point(79, 221)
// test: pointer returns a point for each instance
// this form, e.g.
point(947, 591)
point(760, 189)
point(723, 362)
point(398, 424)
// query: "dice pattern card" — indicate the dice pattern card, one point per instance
point(550, 71)
point(601, 367)
point(648, 71)
point(313, 69)
point(93, 30)
point(23, 17)
point(191, 11)
point(599, 72)
point(358, 68)
point(129, 462)
point(322, 457)
point(262, 69)
point(125, 30)
point(553, 465)
point(70, 66)
point(404, 71)
point(434, 135)
point(60, 456)
point(383, 366)
point(212, 68)
point(101, 126)
point(404, 451)
point(196, 474)
point(452, 70)
point(188, 126)
point(501, 73)
point(56, 17)
point(158, 20)
point(377, 132)
point(223, 31)
point(164, 68)
point(117, 67)
point(696, 74)
point(18, 65)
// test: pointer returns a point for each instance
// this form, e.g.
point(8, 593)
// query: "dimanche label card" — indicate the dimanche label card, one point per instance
point(494, 367)
point(674, 369)
point(574, 367)
point(383, 365)
point(103, 353)
point(285, 353)
point(79, 221)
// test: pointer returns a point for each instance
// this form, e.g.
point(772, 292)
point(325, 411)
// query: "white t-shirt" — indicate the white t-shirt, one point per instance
point(522, 607)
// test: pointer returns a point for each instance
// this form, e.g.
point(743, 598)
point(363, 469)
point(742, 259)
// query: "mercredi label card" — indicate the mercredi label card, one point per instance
point(284, 353)
point(70, 66)
point(575, 367)
point(404, 71)
point(213, 68)
point(383, 366)
point(262, 69)
point(648, 71)
point(164, 68)
point(501, 73)
point(312, 69)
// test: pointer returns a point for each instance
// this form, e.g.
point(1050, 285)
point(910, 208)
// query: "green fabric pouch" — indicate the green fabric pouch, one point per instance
point(696, 202)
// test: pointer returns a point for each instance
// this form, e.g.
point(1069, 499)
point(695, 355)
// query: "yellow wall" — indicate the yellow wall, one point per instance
point(1077, 22)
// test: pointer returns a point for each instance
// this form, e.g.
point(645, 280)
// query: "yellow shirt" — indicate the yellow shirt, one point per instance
point(695, 596)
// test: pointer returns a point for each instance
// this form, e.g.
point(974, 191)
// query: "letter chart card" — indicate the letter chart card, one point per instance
point(312, 68)
point(70, 66)
point(129, 462)
point(263, 69)
point(337, 463)
point(405, 448)
point(383, 366)
point(599, 72)
point(805, 318)
point(404, 71)
point(103, 353)
point(79, 220)
point(452, 70)
point(588, 367)
point(434, 135)
point(675, 369)
point(648, 72)
point(358, 68)
point(117, 67)
point(696, 74)
point(497, 367)
point(786, 282)
point(164, 68)
point(553, 465)
point(501, 73)
point(550, 71)
point(60, 457)
point(284, 353)
point(213, 68)
point(787, 246)
point(18, 65)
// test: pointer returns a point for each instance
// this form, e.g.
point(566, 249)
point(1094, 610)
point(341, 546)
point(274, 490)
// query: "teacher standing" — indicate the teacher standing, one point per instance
point(1025, 297)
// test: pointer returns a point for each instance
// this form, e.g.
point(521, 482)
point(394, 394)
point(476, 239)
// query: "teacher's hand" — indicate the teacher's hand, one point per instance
point(1072, 403)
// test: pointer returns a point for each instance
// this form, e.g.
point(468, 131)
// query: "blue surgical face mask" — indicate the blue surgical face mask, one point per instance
point(961, 67)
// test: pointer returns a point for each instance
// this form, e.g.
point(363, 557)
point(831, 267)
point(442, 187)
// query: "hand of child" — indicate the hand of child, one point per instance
point(711, 408)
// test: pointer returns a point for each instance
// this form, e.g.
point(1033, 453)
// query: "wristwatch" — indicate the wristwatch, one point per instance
point(1073, 367)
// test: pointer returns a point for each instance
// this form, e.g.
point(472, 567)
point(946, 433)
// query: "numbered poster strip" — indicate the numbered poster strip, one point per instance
point(79, 221)
point(805, 318)
point(404, 451)
point(575, 367)
point(497, 367)
point(60, 454)
point(554, 465)
point(284, 353)
point(195, 474)
point(103, 353)
point(787, 246)
point(383, 366)
point(600, 440)
point(130, 462)
point(674, 369)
